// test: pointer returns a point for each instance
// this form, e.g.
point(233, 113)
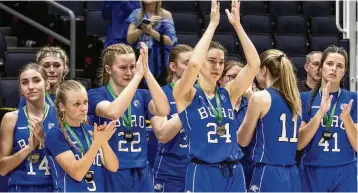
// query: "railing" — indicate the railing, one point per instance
point(71, 42)
point(350, 31)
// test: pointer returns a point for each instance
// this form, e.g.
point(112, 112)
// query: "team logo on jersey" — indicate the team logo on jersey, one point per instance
point(343, 105)
point(254, 188)
point(223, 97)
point(51, 125)
point(158, 187)
point(136, 103)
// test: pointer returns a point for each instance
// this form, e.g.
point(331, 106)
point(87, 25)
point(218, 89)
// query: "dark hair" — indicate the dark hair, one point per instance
point(217, 45)
point(173, 57)
point(326, 52)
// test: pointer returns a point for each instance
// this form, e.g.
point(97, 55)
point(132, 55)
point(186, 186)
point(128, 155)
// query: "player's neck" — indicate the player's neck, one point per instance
point(175, 79)
point(53, 89)
point(207, 87)
point(36, 109)
point(334, 87)
point(311, 82)
point(116, 89)
point(72, 123)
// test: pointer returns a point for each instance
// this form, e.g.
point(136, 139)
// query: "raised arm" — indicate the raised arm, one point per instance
point(77, 169)
point(257, 104)
point(115, 109)
point(308, 130)
point(185, 84)
point(159, 104)
point(9, 161)
point(165, 130)
point(350, 125)
point(246, 76)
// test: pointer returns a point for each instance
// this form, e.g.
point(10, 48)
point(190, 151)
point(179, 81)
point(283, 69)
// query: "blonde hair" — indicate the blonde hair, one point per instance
point(61, 97)
point(281, 69)
point(54, 51)
point(173, 57)
point(158, 10)
point(108, 57)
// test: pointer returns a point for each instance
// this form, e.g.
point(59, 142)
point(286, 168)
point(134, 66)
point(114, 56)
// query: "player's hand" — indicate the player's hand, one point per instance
point(35, 126)
point(155, 19)
point(326, 99)
point(33, 142)
point(234, 15)
point(103, 135)
point(346, 110)
point(215, 13)
point(146, 28)
point(145, 57)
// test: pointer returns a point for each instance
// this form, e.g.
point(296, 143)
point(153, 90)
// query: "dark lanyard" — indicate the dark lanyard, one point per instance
point(73, 134)
point(127, 120)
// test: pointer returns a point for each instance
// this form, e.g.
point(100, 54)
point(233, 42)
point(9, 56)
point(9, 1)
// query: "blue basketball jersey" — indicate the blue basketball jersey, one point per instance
point(56, 144)
point(337, 151)
point(131, 154)
point(47, 100)
point(29, 173)
point(172, 161)
point(239, 116)
point(200, 125)
point(276, 133)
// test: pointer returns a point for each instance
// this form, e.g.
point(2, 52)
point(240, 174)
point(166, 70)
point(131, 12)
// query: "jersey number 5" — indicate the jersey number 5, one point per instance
point(284, 137)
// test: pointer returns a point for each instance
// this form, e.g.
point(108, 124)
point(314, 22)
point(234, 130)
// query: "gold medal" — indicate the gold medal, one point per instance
point(220, 130)
point(34, 158)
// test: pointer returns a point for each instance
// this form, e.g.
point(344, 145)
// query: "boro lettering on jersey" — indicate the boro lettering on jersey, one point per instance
point(205, 112)
point(136, 121)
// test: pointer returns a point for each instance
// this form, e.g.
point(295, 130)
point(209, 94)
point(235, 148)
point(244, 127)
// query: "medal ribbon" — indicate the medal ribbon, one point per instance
point(127, 120)
point(172, 85)
point(49, 99)
point(328, 120)
point(218, 114)
point(73, 134)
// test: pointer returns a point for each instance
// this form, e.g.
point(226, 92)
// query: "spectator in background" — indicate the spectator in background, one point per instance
point(117, 12)
point(313, 60)
point(159, 34)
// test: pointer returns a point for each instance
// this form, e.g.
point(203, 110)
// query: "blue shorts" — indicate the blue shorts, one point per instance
point(30, 188)
point(213, 178)
point(167, 186)
point(129, 180)
point(329, 179)
point(268, 178)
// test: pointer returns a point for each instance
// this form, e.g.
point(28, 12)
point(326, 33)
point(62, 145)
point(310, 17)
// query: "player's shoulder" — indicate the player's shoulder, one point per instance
point(261, 96)
point(305, 95)
point(100, 89)
point(9, 119)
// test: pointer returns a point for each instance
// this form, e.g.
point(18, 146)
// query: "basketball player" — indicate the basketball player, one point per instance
point(206, 111)
point(121, 76)
point(272, 119)
point(328, 134)
point(171, 161)
point(22, 135)
point(74, 158)
point(55, 62)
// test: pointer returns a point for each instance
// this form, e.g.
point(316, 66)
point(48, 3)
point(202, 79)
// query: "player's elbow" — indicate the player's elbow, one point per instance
point(3, 172)
point(243, 143)
point(113, 167)
point(163, 139)
point(76, 176)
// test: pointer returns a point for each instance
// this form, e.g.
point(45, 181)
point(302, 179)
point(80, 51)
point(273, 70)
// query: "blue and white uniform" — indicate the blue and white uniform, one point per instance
point(330, 166)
